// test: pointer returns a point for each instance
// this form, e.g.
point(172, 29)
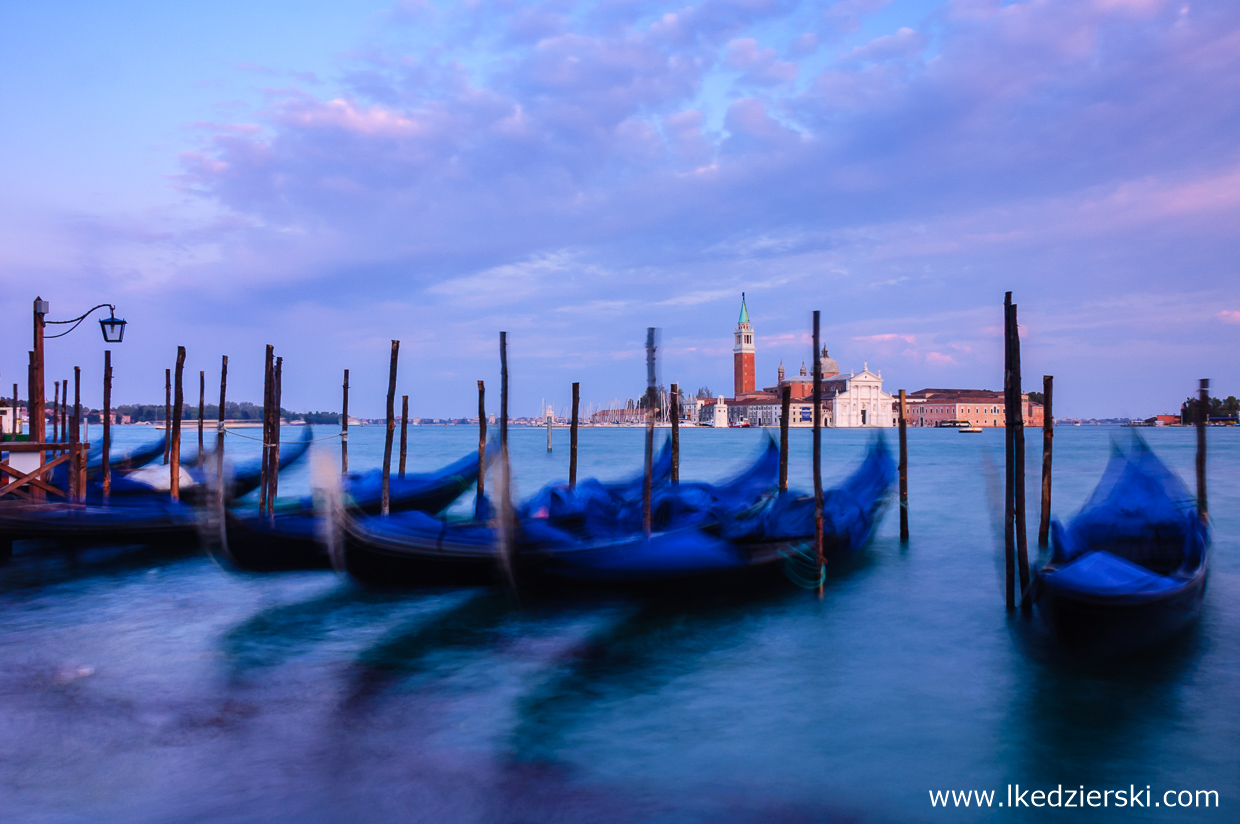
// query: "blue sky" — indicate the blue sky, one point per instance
point(327, 177)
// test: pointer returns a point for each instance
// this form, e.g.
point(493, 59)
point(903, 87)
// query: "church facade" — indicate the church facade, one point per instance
point(852, 400)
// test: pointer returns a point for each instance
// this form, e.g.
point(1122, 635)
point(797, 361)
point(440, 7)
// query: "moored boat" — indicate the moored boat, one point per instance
point(1129, 571)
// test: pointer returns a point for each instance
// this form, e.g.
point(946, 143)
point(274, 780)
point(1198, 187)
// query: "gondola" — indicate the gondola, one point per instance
point(293, 539)
point(850, 511)
point(244, 479)
point(414, 548)
point(149, 520)
point(738, 528)
point(1129, 571)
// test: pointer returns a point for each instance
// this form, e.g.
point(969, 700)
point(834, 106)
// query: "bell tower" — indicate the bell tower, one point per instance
point(743, 377)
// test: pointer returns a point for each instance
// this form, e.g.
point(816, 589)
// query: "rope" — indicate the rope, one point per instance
point(802, 568)
point(265, 443)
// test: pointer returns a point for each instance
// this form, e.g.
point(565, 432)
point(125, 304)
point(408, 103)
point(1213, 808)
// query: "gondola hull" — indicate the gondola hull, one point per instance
point(152, 523)
point(1092, 627)
point(292, 542)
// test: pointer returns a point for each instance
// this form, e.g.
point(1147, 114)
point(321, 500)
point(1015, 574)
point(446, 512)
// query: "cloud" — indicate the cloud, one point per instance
point(1229, 316)
point(886, 338)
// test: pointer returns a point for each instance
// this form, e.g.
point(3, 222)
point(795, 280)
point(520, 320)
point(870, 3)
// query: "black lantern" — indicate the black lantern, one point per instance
point(113, 328)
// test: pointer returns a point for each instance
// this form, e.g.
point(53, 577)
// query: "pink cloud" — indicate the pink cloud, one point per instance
point(887, 337)
point(939, 358)
point(1229, 316)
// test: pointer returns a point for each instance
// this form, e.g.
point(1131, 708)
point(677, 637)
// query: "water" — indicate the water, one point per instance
point(141, 687)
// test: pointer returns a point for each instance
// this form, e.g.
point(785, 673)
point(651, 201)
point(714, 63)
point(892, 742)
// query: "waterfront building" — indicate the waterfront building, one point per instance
point(852, 400)
point(977, 407)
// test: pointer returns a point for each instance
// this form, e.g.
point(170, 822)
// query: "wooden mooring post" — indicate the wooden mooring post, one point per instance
point(785, 411)
point(1009, 459)
point(269, 375)
point(107, 424)
point(79, 461)
point(1016, 547)
point(646, 477)
point(818, 457)
point(1203, 414)
point(550, 413)
point(572, 438)
point(220, 430)
point(674, 411)
point(480, 498)
point(903, 467)
point(391, 430)
point(56, 411)
point(344, 428)
point(506, 525)
point(1048, 444)
point(404, 432)
point(174, 466)
point(274, 474)
point(202, 405)
point(1018, 447)
point(167, 414)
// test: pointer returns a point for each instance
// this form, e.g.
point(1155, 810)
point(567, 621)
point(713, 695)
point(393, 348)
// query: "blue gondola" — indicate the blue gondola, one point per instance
point(1129, 571)
point(293, 539)
point(736, 527)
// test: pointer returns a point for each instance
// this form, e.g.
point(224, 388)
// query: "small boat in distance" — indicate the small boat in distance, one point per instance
point(971, 428)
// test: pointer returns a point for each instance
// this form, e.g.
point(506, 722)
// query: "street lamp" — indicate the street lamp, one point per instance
point(113, 328)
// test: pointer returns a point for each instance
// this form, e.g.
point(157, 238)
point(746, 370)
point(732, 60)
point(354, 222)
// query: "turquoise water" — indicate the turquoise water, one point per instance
point(141, 687)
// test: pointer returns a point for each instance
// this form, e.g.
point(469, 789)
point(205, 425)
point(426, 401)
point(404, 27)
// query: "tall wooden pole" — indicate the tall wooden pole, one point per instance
point(1009, 506)
point(1203, 414)
point(56, 410)
point(79, 461)
point(572, 438)
point(38, 392)
point(344, 428)
point(785, 411)
point(202, 406)
point(219, 439)
point(269, 374)
point(404, 432)
point(107, 424)
point(646, 478)
point(1018, 445)
point(479, 506)
point(674, 413)
point(274, 474)
point(391, 429)
point(1048, 443)
point(174, 470)
point(167, 414)
point(506, 525)
point(818, 455)
point(903, 468)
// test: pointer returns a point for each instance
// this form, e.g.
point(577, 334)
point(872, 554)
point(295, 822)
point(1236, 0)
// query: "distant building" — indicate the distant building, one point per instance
point(852, 400)
point(977, 407)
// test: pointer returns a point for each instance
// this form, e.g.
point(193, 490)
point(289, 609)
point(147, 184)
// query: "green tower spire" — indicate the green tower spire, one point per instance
point(744, 311)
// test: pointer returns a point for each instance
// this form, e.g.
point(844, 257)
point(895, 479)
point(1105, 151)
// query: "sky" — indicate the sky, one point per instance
point(328, 177)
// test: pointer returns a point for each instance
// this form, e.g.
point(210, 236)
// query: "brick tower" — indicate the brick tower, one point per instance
point(743, 377)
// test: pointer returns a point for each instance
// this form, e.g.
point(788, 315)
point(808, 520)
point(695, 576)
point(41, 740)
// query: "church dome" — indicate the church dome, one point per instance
point(829, 366)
